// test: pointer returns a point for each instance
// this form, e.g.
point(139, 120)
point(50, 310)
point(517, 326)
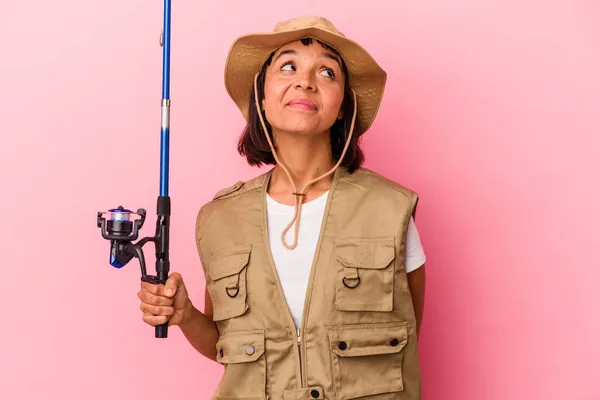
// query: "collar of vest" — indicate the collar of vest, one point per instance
point(261, 181)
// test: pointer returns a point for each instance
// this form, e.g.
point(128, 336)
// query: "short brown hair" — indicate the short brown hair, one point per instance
point(254, 145)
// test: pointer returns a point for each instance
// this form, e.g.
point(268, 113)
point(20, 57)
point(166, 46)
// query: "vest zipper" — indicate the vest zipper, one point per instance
point(312, 268)
point(299, 352)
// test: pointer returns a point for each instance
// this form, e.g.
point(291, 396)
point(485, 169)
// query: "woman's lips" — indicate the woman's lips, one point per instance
point(302, 104)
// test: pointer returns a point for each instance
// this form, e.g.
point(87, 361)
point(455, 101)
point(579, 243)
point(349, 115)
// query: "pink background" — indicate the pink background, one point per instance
point(491, 114)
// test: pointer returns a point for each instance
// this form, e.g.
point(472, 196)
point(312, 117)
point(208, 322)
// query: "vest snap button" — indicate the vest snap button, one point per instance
point(394, 342)
point(342, 345)
point(249, 350)
point(314, 394)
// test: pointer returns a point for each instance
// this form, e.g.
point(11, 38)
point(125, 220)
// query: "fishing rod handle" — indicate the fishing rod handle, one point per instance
point(160, 331)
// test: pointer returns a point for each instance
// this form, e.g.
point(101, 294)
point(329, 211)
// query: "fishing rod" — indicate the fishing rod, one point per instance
point(119, 227)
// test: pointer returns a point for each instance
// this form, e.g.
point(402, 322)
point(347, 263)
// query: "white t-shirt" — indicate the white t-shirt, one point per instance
point(293, 266)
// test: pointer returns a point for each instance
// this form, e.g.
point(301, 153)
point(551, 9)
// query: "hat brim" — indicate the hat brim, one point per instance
point(248, 54)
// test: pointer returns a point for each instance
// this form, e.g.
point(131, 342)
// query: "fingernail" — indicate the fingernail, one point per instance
point(169, 292)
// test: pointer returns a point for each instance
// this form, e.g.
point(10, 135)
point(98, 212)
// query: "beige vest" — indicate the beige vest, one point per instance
point(358, 336)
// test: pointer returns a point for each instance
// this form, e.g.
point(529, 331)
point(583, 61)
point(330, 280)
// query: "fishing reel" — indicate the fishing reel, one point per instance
point(120, 227)
point(122, 231)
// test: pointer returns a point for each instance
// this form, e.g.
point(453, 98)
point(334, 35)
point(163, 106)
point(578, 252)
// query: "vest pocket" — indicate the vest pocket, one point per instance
point(227, 282)
point(365, 280)
point(242, 354)
point(367, 358)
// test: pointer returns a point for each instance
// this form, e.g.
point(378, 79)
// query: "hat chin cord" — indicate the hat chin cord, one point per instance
point(302, 194)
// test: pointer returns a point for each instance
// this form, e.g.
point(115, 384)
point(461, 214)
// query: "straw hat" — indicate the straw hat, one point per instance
point(249, 52)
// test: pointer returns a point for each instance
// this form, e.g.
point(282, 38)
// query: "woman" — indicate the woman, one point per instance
point(314, 270)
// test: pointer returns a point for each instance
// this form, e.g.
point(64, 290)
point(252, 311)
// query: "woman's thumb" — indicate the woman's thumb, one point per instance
point(172, 284)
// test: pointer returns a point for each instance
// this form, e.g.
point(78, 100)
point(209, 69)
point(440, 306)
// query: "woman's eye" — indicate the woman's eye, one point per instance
point(329, 73)
point(288, 67)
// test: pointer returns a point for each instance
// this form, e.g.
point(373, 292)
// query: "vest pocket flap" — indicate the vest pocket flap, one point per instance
point(371, 253)
point(367, 359)
point(242, 352)
point(240, 347)
point(229, 262)
point(368, 339)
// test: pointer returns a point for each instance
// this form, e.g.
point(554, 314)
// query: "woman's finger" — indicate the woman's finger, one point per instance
point(154, 320)
point(150, 298)
point(156, 310)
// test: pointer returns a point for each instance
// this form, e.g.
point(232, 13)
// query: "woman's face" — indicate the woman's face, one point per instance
point(304, 89)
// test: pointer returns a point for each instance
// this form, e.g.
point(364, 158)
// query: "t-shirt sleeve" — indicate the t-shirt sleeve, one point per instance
point(415, 255)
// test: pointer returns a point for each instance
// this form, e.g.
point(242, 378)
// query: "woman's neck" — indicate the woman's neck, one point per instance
point(306, 157)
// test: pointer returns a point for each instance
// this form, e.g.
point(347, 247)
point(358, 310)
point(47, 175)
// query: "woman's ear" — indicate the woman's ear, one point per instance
point(340, 114)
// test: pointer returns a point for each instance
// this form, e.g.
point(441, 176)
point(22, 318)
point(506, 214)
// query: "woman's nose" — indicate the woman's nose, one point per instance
point(305, 81)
